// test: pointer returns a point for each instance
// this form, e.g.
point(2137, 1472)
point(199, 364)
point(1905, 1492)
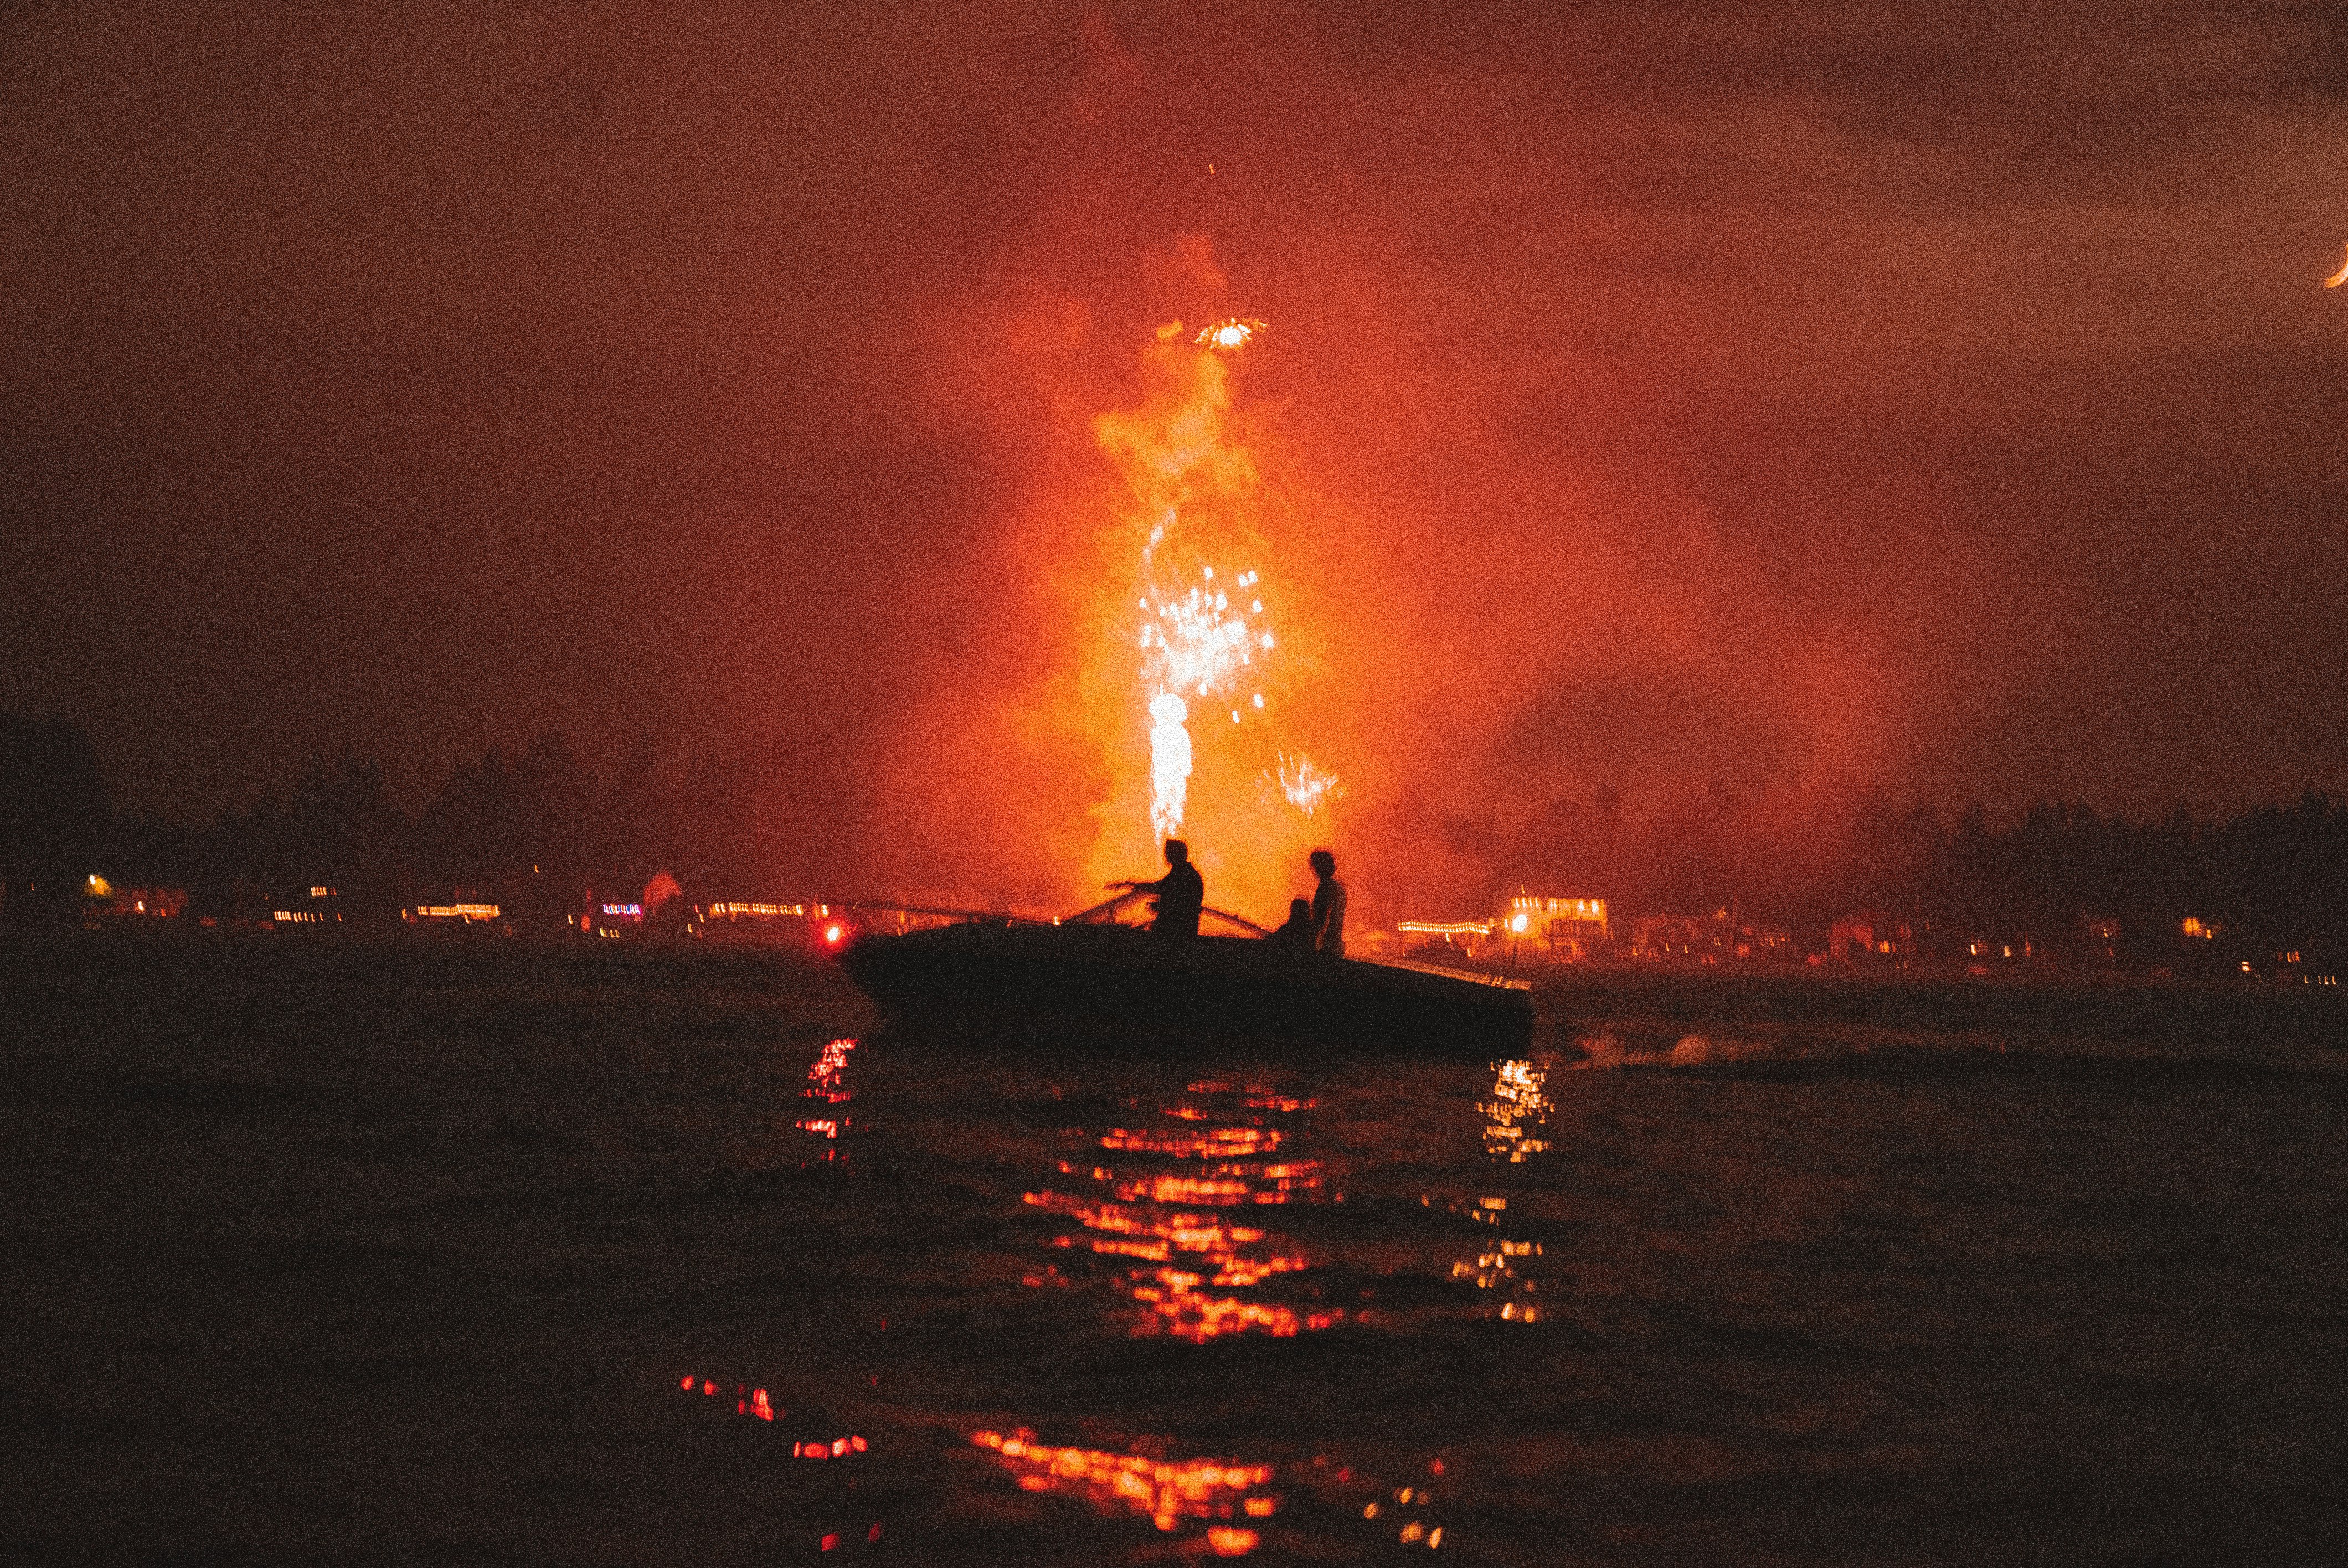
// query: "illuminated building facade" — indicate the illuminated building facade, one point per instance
point(1444, 938)
point(1998, 949)
point(1571, 927)
point(1715, 939)
point(1871, 938)
point(737, 910)
point(2101, 935)
point(150, 903)
point(466, 907)
point(317, 905)
point(805, 923)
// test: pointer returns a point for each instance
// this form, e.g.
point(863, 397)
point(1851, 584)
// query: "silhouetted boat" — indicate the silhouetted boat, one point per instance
point(1090, 982)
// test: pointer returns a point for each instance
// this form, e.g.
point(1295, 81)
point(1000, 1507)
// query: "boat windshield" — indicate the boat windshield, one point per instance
point(1131, 907)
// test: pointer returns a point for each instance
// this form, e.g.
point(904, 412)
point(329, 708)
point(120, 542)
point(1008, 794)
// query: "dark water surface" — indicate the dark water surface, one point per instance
point(488, 1255)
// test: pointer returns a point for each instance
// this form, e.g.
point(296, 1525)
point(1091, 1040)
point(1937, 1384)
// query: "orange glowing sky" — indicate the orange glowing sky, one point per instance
point(1663, 412)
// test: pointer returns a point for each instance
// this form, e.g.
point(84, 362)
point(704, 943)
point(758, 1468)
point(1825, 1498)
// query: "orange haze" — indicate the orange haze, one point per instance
point(1679, 439)
point(1480, 681)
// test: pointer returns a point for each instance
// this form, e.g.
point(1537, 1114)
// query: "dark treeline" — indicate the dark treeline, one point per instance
point(2271, 881)
point(53, 818)
point(539, 833)
point(2066, 884)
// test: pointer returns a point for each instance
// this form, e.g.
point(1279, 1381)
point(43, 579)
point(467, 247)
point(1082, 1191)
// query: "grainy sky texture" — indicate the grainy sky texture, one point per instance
point(1746, 403)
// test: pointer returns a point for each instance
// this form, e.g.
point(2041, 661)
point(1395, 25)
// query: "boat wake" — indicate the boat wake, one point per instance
point(1900, 1056)
point(1603, 1051)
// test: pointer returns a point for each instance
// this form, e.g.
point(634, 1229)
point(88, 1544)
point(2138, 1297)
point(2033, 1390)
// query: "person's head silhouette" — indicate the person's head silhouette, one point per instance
point(1177, 852)
point(1323, 864)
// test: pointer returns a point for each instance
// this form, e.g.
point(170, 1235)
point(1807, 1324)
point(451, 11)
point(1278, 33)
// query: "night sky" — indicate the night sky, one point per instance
point(1756, 404)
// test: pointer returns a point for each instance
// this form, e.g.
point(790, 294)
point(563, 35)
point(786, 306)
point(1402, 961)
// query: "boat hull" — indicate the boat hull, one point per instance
point(1108, 985)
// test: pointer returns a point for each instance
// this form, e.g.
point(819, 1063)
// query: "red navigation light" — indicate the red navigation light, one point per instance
point(832, 934)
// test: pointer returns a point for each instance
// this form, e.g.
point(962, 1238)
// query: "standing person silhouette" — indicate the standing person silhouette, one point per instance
point(1181, 893)
point(1328, 906)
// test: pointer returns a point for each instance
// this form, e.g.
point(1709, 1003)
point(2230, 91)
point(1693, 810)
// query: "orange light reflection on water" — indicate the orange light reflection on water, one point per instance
point(1218, 1141)
point(825, 1086)
point(1229, 1185)
point(1189, 1261)
point(758, 1404)
point(1165, 1492)
point(1514, 1118)
point(1517, 1110)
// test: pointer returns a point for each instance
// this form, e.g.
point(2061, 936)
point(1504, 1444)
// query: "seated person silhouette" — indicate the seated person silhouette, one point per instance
point(1181, 893)
point(1296, 936)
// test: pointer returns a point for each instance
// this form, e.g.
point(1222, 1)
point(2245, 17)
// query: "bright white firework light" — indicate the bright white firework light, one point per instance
point(1229, 333)
point(1170, 762)
point(1305, 783)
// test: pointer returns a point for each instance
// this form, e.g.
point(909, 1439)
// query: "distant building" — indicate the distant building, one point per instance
point(2101, 935)
point(660, 911)
point(323, 907)
point(613, 917)
point(1571, 927)
point(1711, 938)
point(761, 923)
point(465, 908)
point(758, 913)
point(1859, 938)
point(1664, 936)
point(150, 903)
point(1444, 938)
